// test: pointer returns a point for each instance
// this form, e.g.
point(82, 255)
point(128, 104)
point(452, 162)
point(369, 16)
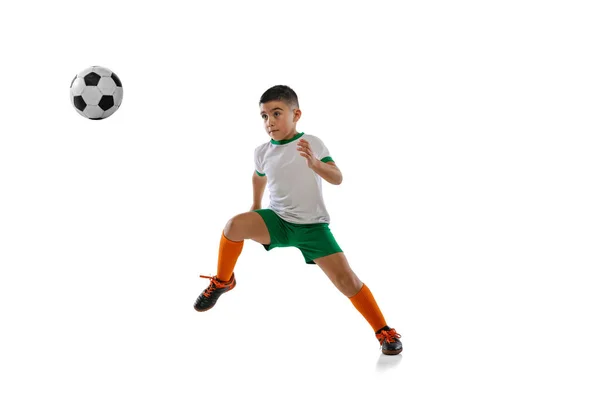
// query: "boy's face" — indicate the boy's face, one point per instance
point(279, 119)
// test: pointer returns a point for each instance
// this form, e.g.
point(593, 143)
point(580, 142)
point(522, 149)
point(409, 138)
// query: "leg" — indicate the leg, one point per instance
point(336, 267)
point(338, 270)
point(248, 225)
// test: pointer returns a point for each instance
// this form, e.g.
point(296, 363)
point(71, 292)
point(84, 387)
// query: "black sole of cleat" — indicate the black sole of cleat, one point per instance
point(206, 309)
point(391, 352)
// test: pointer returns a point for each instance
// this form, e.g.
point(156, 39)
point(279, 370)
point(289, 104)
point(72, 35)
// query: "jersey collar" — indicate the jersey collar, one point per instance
point(296, 136)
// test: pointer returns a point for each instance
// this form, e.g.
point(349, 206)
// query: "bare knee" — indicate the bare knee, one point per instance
point(348, 284)
point(234, 230)
point(247, 226)
point(339, 272)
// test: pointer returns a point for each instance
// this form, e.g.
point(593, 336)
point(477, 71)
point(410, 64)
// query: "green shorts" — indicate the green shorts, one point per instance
point(313, 240)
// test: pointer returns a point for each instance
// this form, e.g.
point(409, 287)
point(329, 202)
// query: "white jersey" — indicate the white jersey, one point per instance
point(295, 189)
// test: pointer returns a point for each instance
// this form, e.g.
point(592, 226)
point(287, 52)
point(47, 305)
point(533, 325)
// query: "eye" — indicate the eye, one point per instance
point(277, 113)
point(264, 116)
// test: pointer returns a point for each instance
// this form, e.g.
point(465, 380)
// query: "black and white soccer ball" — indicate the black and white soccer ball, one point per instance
point(96, 92)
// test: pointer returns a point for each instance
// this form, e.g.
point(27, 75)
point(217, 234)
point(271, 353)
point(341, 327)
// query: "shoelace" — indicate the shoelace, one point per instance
point(214, 284)
point(388, 336)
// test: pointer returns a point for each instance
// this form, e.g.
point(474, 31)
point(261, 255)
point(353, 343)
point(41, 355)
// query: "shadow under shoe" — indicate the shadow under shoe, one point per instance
point(209, 296)
point(389, 340)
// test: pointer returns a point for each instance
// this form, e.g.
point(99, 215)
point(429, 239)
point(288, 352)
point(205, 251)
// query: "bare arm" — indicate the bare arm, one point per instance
point(328, 171)
point(258, 187)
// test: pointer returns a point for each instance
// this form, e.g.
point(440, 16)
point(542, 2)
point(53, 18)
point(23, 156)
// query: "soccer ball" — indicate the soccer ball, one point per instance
point(96, 92)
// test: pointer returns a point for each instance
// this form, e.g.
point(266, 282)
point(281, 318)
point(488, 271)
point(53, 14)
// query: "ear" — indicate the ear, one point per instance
point(297, 114)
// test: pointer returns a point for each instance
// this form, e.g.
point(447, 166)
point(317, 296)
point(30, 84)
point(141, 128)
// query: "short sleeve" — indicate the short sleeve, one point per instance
point(258, 162)
point(320, 150)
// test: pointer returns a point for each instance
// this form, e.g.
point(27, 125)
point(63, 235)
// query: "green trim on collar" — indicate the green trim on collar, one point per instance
point(296, 136)
point(327, 159)
point(259, 174)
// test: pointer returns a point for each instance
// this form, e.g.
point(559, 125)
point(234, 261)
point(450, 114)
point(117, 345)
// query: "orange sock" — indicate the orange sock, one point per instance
point(229, 251)
point(365, 304)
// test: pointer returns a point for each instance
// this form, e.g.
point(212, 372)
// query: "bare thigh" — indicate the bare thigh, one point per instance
point(249, 225)
point(338, 270)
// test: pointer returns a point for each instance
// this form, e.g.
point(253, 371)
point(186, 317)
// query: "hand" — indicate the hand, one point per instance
point(306, 152)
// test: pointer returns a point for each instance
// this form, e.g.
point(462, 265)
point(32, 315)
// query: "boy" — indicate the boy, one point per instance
point(293, 164)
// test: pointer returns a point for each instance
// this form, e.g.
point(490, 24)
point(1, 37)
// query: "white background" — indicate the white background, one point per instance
point(467, 133)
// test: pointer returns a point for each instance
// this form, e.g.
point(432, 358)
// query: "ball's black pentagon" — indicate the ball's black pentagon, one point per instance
point(79, 103)
point(116, 79)
point(106, 102)
point(91, 79)
point(96, 119)
point(73, 81)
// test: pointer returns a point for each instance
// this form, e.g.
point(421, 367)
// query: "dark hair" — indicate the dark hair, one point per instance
point(280, 93)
